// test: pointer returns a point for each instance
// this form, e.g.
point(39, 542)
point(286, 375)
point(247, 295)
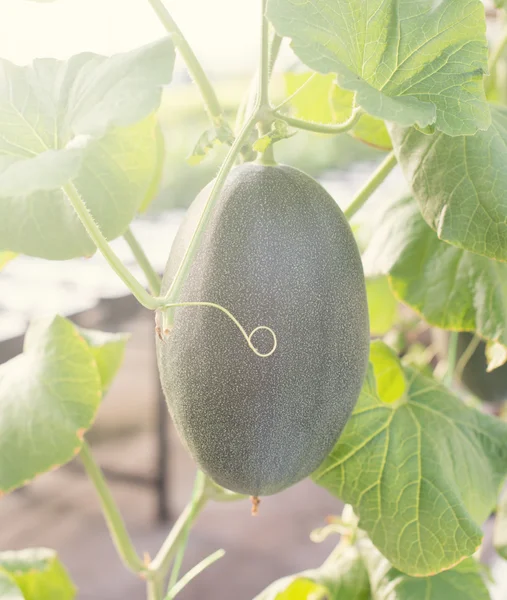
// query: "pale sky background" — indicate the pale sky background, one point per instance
point(223, 33)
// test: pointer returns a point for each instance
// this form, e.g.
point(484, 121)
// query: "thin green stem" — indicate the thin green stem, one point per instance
point(154, 589)
point(184, 540)
point(100, 241)
point(495, 56)
point(142, 260)
point(466, 356)
point(296, 92)
point(205, 215)
point(115, 523)
point(192, 574)
point(194, 66)
point(451, 357)
point(263, 97)
point(160, 564)
point(274, 49)
point(322, 127)
point(383, 170)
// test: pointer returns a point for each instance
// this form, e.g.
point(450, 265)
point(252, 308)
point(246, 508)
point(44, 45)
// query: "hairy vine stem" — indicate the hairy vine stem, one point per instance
point(142, 260)
point(451, 357)
point(194, 66)
point(114, 520)
point(378, 177)
point(93, 230)
point(466, 356)
point(322, 127)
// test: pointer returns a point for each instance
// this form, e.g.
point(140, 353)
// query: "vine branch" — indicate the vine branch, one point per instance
point(321, 127)
point(93, 230)
point(378, 177)
point(114, 520)
point(142, 260)
point(194, 66)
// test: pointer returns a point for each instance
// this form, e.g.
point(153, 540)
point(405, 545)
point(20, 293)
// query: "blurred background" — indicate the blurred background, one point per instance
point(150, 474)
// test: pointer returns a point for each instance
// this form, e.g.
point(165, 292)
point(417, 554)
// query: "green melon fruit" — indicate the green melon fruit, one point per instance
point(276, 252)
point(488, 387)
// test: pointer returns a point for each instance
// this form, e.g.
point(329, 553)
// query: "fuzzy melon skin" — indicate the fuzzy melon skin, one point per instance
point(279, 252)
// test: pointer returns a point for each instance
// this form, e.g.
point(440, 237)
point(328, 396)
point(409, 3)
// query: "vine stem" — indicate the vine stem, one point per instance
point(383, 170)
point(194, 66)
point(276, 42)
point(162, 561)
point(451, 357)
point(466, 356)
point(227, 165)
point(321, 127)
point(267, 156)
point(93, 230)
point(114, 520)
point(224, 171)
point(264, 69)
point(142, 260)
point(194, 571)
point(495, 56)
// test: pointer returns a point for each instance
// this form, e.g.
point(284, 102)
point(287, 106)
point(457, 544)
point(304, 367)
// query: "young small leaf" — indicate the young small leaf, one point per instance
point(279, 131)
point(208, 140)
point(421, 475)
point(38, 574)
point(408, 61)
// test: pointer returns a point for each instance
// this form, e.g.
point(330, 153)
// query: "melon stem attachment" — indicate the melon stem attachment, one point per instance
point(166, 325)
point(255, 505)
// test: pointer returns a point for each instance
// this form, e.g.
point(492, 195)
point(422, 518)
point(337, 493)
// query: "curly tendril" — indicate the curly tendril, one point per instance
point(248, 337)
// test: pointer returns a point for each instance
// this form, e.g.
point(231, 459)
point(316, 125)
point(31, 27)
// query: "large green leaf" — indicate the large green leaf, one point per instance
point(322, 101)
point(85, 120)
point(48, 399)
point(108, 349)
point(38, 574)
point(409, 61)
point(449, 287)
point(461, 183)
point(421, 474)
point(463, 582)
point(342, 576)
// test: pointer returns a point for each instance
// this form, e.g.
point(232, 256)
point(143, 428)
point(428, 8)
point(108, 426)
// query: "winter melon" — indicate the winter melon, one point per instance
point(277, 252)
